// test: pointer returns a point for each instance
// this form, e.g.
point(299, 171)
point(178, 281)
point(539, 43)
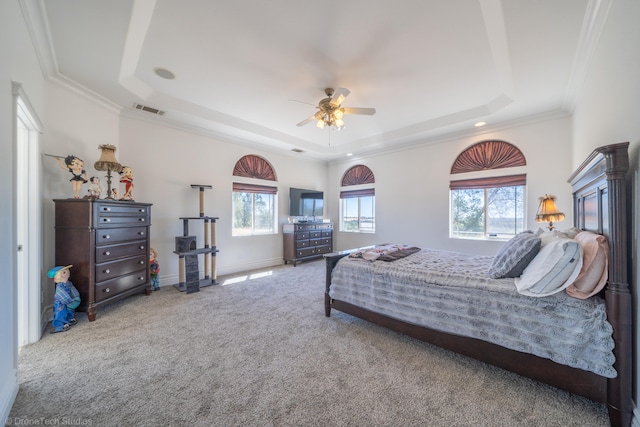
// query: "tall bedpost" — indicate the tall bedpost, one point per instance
point(618, 295)
point(612, 162)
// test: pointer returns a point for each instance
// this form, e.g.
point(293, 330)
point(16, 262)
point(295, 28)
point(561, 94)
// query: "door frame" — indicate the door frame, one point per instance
point(27, 218)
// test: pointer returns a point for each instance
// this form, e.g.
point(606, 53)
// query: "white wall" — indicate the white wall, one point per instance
point(19, 64)
point(74, 125)
point(412, 186)
point(167, 161)
point(608, 112)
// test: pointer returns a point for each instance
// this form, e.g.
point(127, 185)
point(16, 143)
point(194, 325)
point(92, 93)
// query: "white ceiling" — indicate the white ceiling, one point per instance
point(250, 70)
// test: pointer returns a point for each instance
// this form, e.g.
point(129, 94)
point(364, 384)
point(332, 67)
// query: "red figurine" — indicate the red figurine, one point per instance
point(127, 179)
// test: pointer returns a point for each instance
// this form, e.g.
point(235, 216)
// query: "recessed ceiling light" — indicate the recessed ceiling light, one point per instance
point(349, 154)
point(478, 124)
point(164, 73)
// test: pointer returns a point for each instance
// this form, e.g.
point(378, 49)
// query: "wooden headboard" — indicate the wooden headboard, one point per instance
point(600, 205)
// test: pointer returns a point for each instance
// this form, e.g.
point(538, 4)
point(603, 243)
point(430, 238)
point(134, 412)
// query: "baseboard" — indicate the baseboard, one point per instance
point(8, 394)
point(171, 279)
point(250, 266)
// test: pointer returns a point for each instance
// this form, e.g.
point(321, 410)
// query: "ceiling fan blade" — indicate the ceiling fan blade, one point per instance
point(307, 120)
point(338, 96)
point(302, 102)
point(366, 111)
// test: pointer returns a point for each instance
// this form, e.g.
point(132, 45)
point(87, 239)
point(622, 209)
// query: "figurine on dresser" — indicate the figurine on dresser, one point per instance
point(67, 299)
point(127, 179)
point(95, 189)
point(79, 176)
point(154, 269)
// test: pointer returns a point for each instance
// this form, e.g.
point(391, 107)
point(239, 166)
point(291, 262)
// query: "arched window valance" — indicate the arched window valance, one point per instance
point(252, 166)
point(357, 175)
point(488, 155)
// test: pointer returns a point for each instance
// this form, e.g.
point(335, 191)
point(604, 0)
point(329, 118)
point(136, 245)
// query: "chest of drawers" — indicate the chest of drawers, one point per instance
point(107, 242)
point(307, 241)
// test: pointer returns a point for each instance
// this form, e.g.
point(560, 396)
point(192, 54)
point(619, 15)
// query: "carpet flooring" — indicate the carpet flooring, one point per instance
point(257, 350)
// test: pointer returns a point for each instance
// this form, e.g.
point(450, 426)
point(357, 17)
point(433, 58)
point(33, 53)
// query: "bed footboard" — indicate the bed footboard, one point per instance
point(331, 260)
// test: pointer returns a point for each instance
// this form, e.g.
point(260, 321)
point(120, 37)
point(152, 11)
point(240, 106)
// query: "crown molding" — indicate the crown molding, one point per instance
point(595, 18)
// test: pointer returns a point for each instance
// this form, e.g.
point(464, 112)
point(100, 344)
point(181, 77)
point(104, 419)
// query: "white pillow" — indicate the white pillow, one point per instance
point(554, 268)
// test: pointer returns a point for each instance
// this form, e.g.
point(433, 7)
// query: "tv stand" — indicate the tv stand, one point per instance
point(306, 241)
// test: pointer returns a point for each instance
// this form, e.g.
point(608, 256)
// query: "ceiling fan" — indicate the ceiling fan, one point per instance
point(330, 110)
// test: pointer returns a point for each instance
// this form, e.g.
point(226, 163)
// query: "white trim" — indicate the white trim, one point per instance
point(34, 14)
point(28, 222)
point(8, 393)
point(595, 18)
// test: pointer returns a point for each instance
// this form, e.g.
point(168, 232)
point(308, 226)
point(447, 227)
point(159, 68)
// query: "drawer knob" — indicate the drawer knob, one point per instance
point(141, 233)
point(106, 209)
point(107, 290)
point(141, 262)
point(107, 253)
point(106, 236)
point(141, 210)
point(141, 219)
point(140, 278)
point(141, 246)
point(106, 219)
point(107, 271)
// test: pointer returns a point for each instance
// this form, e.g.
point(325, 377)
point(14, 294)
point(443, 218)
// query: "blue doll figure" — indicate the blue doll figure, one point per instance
point(154, 269)
point(67, 299)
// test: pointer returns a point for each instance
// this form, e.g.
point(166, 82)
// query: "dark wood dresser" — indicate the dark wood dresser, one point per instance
point(107, 242)
point(305, 241)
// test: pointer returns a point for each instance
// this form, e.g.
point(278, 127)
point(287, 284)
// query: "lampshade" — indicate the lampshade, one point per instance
point(548, 211)
point(107, 160)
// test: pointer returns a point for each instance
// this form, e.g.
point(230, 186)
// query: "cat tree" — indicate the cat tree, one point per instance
point(187, 251)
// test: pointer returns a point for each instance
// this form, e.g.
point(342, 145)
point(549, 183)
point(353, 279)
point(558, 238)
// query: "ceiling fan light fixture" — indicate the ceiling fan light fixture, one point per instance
point(330, 113)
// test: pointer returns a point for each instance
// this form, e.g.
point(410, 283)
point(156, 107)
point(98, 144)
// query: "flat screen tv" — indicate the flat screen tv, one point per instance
point(305, 202)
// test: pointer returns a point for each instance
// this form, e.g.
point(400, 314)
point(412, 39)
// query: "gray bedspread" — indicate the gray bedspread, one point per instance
point(451, 292)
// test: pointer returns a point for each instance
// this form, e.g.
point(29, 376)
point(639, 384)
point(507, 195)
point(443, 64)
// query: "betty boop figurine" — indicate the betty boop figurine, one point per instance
point(79, 176)
point(67, 299)
point(127, 179)
point(154, 269)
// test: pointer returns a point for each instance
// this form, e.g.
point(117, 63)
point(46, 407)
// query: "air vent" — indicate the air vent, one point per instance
point(297, 150)
point(148, 109)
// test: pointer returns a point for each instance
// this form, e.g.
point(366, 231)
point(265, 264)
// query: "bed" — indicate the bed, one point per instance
point(599, 206)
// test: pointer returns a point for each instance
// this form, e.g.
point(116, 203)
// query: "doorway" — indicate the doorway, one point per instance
point(28, 219)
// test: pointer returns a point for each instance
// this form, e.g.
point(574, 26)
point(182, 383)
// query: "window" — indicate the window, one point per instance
point(254, 209)
point(491, 207)
point(357, 207)
point(358, 214)
point(254, 206)
point(487, 212)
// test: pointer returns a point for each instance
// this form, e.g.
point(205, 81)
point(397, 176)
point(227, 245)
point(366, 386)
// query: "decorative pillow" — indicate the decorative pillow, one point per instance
point(572, 232)
point(515, 255)
point(554, 268)
point(552, 235)
point(595, 265)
